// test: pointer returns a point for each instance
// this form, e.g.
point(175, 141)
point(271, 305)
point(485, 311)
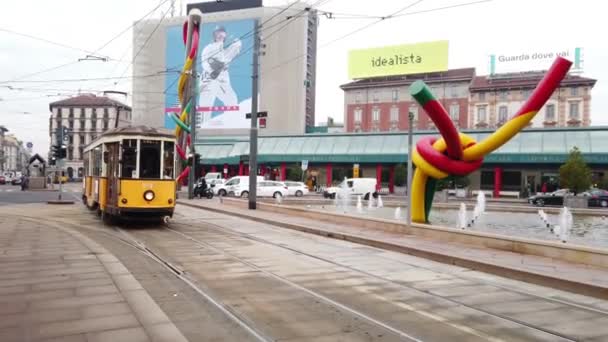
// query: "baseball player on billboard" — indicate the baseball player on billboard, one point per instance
point(215, 82)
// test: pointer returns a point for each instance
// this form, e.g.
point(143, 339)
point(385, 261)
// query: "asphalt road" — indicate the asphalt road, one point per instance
point(12, 194)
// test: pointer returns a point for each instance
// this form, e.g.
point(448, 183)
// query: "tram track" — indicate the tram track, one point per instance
point(127, 238)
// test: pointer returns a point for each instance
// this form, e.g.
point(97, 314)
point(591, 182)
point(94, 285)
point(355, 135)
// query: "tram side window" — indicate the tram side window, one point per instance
point(168, 159)
point(149, 160)
point(129, 158)
point(85, 164)
point(97, 161)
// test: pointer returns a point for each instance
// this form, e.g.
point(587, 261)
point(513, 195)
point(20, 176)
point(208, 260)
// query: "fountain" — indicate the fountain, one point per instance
point(370, 203)
point(481, 202)
point(397, 213)
point(359, 204)
point(278, 199)
point(544, 217)
point(565, 223)
point(462, 216)
point(342, 196)
point(380, 204)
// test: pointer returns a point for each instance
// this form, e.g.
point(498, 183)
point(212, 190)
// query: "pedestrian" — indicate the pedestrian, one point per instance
point(543, 188)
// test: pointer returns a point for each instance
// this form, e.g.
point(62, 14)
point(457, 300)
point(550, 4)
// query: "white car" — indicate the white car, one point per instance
point(271, 189)
point(365, 187)
point(237, 186)
point(297, 189)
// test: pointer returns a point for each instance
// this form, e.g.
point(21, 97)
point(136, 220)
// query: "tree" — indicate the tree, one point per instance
point(451, 182)
point(575, 174)
point(294, 174)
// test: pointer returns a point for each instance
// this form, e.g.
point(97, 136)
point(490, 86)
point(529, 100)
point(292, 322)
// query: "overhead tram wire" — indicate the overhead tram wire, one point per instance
point(368, 25)
point(73, 47)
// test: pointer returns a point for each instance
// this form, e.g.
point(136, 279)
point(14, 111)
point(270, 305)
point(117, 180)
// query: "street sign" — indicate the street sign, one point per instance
point(260, 115)
point(29, 145)
point(304, 165)
point(356, 171)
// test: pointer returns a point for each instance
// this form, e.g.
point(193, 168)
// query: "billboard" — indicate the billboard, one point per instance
point(224, 67)
point(537, 59)
point(398, 60)
point(221, 6)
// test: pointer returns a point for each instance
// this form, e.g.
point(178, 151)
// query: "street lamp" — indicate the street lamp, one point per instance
point(410, 142)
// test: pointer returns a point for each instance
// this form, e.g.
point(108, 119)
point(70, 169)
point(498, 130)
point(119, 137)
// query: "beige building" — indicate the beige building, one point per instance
point(287, 68)
point(14, 156)
point(86, 116)
point(494, 99)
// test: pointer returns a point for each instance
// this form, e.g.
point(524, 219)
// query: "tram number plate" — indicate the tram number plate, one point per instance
point(148, 186)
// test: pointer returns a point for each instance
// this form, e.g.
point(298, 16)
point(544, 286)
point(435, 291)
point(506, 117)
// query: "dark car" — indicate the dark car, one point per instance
point(2, 180)
point(598, 198)
point(552, 198)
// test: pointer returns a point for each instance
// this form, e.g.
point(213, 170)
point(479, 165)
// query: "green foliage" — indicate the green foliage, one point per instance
point(452, 182)
point(400, 175)
point(575, 174)
point(603, 184)
point(338, 174)
point(294, 174)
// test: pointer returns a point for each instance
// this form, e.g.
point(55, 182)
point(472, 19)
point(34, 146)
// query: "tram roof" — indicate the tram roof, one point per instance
point(139, 130)
point(531, 146)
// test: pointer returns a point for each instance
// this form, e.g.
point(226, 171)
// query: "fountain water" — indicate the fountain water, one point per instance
point(359, 204)
point(380, 204)
point(278, 199)
point(370, 202)
point(342, 196)
point(481, 202)
point(565, 223)
point(397, 213)
point(544, 217)
point(462, 216)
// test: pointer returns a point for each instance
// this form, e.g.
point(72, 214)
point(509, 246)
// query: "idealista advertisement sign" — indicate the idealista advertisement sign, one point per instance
point(540, 59)
point(398, 60)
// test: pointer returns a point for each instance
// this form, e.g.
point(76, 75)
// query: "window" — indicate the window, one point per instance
point(168, 159)
point(71, 113)
point(58, 113)
point(394, 113)
point(129, 158)
point(454, 112)
point(414, 112)
point(234, 181)
point(454, 91)
point(82, 113)
point(358, 97)
point(395, 95)
point(80, 153)
point(70, 153)
point(149, 160)
point(503, 113)
point(550, 113)
point(93, 124)
point(71, 125)
point(105, 125)
point(504, 95)
point(574, 91)
point(106, 115)
point(82, 124)
point(526, 93)
point(358, 115)
point(574, 110)
point(376, 96)
point(482, 96)
point(81, 139)
point(71, 139)
point(97, 161)
point(481, 114)
point(376, 114)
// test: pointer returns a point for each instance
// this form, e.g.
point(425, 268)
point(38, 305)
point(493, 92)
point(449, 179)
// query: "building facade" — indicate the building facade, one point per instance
point(382, 104)
point(494, 99)
point(287, 79)
point(473, 102)
point(86, 116)
point(15, 156)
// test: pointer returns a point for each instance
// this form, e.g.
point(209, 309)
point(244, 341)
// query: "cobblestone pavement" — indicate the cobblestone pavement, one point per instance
point(254, 281)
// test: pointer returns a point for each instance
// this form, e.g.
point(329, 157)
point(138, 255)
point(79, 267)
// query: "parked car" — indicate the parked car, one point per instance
point(16, 181)
point(212, 175)
point(236, 186)
point(354, 187)
point(271, 189)
point(2, 180)
point(297, 189)
point(598, 198)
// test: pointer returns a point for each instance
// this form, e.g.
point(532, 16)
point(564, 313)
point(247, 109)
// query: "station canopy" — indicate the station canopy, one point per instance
point(538, 146)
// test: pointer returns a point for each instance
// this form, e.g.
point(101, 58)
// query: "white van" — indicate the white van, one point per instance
point(235, 186)
point(212, 175)
point(353, 187)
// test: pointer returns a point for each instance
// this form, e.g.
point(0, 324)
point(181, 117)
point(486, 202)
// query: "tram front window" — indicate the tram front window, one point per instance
point(149, 159)
point(129, 158)
point(169, 159)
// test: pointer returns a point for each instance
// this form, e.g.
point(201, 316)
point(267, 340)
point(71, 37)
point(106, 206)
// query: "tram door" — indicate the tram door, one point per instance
point(113, 179)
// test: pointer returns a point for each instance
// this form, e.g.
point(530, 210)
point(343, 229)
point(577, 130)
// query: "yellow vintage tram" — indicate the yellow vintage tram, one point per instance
point(129, 173)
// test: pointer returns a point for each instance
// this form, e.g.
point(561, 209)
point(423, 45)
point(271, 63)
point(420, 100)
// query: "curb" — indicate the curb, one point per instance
point(487, 267)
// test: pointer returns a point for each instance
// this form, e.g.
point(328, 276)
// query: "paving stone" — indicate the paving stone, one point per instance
point(75, 302)
point(91, 311)
point(71, 338)
point(96, 290)
point(126, 282)
point(119, 335)
point(88, 325)
point(145, 308)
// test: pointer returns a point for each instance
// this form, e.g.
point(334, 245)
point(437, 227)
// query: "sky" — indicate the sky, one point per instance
point(474, 32)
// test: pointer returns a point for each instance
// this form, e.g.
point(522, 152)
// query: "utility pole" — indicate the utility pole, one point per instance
point(410, 142)
point(191, 94)
point(253, 138)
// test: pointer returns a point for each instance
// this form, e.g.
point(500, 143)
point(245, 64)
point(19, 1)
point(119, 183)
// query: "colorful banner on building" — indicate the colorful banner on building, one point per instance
point(398, 60)
point(225, 71)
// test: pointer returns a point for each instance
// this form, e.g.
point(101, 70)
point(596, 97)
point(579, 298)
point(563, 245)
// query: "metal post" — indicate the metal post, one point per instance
point(191, 94)
point(59, 161)
point(410, 142)
point(253, 138)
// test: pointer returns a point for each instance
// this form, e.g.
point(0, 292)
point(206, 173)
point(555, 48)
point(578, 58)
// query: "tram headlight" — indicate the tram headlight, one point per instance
point(149, 195)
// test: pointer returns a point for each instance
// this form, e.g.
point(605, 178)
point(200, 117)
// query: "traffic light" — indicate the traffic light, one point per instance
point(58, 151)
point(62, 152)
point(52, 161)
point(65, 133)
